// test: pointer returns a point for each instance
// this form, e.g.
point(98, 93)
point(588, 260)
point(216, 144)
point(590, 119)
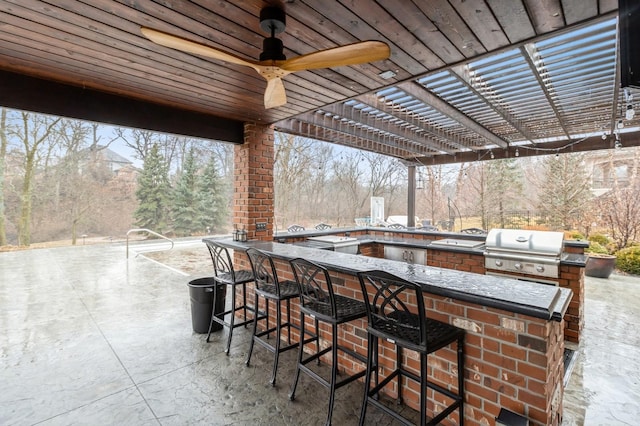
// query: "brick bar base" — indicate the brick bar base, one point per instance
point(512, 361)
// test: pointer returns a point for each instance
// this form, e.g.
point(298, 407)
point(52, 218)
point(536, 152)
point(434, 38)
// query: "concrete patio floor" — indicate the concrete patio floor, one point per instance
point(89, 337)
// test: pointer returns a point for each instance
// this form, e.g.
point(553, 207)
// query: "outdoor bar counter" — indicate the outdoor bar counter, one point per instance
point(515, 330)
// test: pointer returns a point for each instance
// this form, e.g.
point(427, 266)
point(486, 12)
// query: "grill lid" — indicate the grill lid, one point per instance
point(543, 243)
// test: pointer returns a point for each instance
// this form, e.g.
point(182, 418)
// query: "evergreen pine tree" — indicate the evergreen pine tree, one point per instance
point(152, 193)
point(213, 197)
point(185, 203)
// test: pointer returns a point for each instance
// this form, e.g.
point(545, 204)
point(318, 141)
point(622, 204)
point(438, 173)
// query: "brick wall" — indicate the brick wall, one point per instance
point(455, 260)
point(253, 198)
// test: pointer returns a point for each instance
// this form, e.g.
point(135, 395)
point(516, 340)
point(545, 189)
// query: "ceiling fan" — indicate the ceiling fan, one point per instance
point(273, 65)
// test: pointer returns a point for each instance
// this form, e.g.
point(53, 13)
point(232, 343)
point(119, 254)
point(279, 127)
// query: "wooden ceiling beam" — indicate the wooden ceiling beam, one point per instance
point(43, 96)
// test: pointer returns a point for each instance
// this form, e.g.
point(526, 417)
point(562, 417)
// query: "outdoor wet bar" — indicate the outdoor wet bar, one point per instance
point(514, 340)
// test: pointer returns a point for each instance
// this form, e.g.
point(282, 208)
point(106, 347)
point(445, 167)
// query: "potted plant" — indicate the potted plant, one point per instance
point(600, 263)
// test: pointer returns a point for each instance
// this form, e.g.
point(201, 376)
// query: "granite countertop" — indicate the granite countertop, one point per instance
point(540, 301)
point(565, 259)
point(396, 238)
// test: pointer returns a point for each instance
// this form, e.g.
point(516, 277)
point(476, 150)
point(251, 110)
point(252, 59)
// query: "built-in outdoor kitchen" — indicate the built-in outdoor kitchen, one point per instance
point(541, 257)
point(517, 293)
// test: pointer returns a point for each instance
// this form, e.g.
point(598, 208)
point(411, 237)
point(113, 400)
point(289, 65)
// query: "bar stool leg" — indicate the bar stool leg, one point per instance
point(423, 389)
point(277, 345)
point(461, 377)
point(255, 328)
point(232, 321)
point(296, 377)
point(371, 352)
point(215, 298)
point(398, 365)
point(244, 303)
point(334, 371)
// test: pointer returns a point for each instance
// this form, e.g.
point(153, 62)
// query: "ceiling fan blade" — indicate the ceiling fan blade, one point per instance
point(350, 54)
point(179, 43)
point(274, 95)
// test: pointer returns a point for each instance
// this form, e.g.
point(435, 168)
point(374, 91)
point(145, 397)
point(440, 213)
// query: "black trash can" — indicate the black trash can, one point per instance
point(201, 293)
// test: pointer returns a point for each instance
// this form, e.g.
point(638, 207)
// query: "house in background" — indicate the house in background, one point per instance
point(612, 168)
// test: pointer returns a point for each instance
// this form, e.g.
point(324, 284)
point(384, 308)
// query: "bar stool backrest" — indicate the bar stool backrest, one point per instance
point(222, 263)
point(264, 271)
point(396, 226)
point(295, 228)
point(316, 291)
point(387, 299)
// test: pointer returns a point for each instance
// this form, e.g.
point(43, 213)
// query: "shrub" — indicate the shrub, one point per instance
point(573, 235)
point(596, 248)
point(601, 239)
point(628, 260)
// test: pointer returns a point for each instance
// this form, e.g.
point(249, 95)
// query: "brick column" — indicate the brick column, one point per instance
point(253, 182)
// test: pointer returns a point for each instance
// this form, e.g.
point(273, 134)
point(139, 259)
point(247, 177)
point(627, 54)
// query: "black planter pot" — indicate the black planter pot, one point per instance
point(600, 266)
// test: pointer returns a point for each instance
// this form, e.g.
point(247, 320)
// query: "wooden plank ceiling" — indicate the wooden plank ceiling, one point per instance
point(471, 79)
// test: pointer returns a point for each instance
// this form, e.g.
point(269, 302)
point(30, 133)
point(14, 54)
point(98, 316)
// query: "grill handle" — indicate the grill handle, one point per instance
point(529, 257)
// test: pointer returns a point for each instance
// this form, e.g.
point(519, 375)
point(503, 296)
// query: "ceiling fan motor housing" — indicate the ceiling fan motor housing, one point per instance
point(272, 50)
point(272, 21)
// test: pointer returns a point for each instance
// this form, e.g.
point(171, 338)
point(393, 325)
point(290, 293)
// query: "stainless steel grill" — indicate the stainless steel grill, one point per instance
point(522, 251)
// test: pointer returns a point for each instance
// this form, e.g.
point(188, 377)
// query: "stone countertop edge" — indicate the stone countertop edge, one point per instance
point(536, 300)
point(566, 259)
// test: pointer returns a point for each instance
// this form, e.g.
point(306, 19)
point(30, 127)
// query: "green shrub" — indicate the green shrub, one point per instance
point(628, 260)
point(596, 248)
point(600, 239)
point(574, 235)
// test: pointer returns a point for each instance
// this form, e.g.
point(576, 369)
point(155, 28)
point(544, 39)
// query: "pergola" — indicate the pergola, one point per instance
point(467, 80)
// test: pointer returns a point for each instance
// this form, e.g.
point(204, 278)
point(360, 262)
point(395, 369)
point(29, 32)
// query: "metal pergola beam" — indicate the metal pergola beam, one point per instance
point(368, 119)
point(593, 143)
point(423, 95)
point(415, 120)
point(308, 126)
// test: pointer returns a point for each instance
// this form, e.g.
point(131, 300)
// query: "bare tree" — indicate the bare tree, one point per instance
point(82, 173)
point(472, 191)
point(291, 165)
point(361, 175)
point(3, 153)
point(620, 211)
point(140, 141)
point(316, 185)
point(351, 196)
point(35, 133)
point(565, 190)
point(620, 207)
point(431, 198)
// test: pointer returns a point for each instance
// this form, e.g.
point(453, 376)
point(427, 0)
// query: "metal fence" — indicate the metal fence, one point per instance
point(516, 219)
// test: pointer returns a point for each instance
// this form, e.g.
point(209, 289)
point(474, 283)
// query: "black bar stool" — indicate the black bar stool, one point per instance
point(225, 274)
point(318, 301)
point(271, 289)
point(389, 318)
